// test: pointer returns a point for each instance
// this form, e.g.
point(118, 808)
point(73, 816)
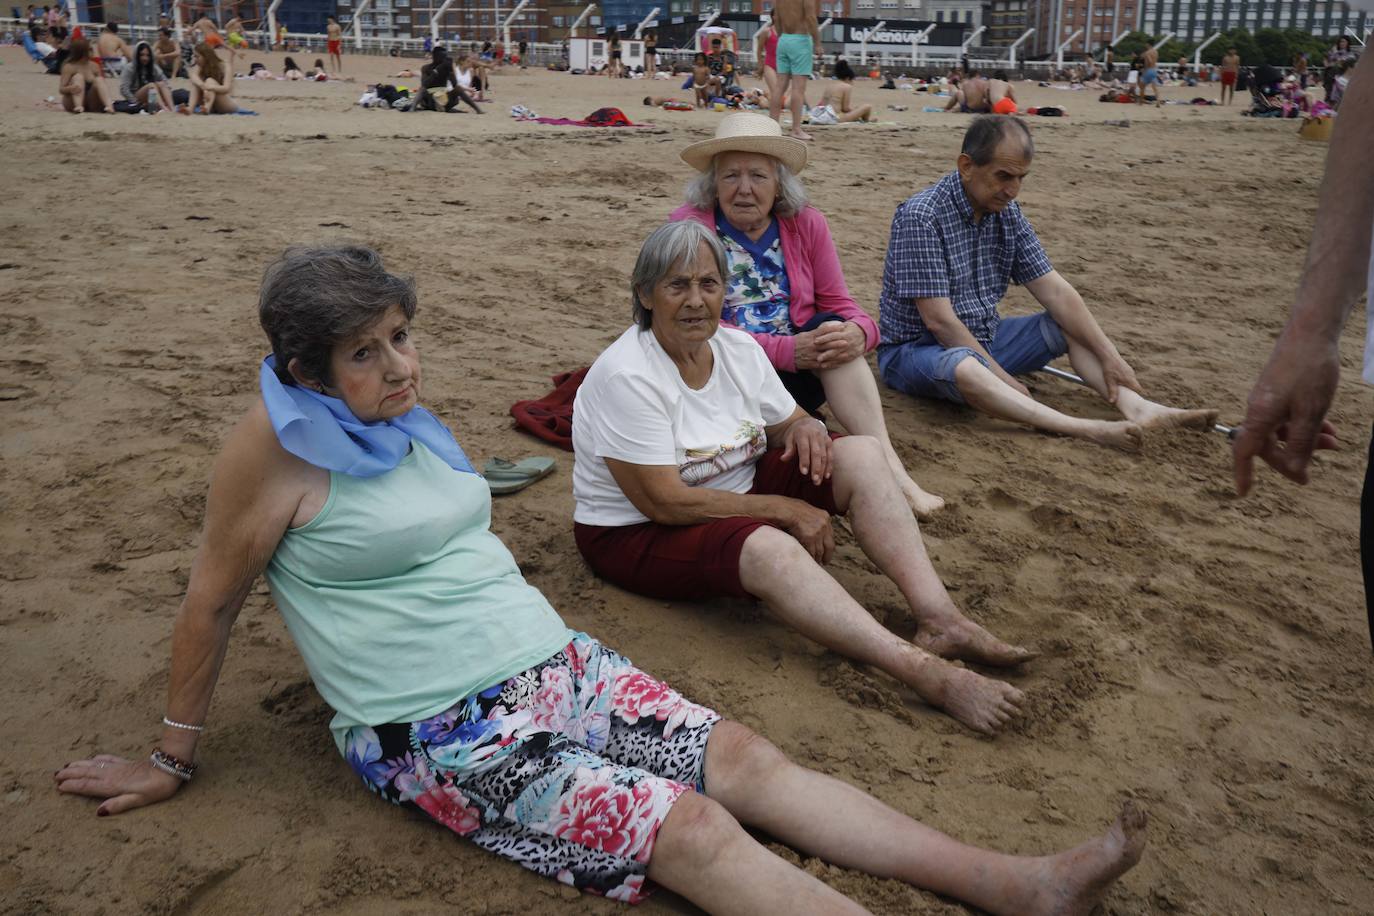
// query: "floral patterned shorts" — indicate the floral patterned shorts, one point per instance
point(568, 768)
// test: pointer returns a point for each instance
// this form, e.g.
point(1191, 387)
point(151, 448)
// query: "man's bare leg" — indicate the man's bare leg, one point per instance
point(853, 397)
point(775, 568)
point(797, 101)
point(988, 393)
point(892, 540)
point(1135, 407)
point(830, 819)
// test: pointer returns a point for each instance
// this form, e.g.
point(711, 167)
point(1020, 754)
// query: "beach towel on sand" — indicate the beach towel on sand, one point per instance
point(550, 418)
point(602, 117)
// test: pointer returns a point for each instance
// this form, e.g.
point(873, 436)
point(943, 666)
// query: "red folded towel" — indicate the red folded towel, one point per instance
point(550, 418)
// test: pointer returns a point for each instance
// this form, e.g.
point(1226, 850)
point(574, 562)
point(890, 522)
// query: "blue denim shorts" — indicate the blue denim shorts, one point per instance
point(924, 368)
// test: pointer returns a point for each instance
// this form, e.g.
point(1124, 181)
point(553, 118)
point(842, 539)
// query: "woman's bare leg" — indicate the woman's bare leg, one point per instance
point(97, 93)
point(775, 568)
point(74, 94)
point(224, 103)
point(852, 394)
point(824, 817)
point(891, 538)
point(1135, 407)
point(986, 392)
point(702, 853)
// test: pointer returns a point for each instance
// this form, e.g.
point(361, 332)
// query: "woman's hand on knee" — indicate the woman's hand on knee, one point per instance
point(839, 342)
point(808, 439)
point(811, 528)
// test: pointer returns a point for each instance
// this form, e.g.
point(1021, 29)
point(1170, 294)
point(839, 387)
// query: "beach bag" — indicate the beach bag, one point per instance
point(181, 97)
point(1317, 128)
point(126, 107)
point(609, 117)
point(1049, 111)
point(824, 115)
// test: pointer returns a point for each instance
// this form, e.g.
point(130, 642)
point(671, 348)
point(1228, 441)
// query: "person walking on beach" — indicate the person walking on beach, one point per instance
point(1149, 62)
point(1285, 416)
point(334, 39)
point(1230, 72)
point(798, 38)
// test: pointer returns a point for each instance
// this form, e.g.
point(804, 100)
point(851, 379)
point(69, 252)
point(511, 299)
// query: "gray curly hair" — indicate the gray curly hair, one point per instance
point(791, 199)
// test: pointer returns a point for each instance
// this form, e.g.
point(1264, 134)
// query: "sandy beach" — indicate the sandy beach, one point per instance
point(1204, 655)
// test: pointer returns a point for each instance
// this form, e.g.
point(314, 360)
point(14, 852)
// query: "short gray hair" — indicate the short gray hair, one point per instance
point(667, 246)
point(987, 132)
point(791, 199)
point(313, 298)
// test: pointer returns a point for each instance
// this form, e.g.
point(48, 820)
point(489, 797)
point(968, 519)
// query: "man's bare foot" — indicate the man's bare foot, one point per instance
point(961, 638)
point(1115, 434)
point(981, 703)
point(800, 134)
point(1074, 882)
point(77, 109)
point(1157, 416)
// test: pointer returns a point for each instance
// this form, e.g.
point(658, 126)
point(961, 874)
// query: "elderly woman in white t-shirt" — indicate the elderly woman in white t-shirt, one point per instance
point(698, 476)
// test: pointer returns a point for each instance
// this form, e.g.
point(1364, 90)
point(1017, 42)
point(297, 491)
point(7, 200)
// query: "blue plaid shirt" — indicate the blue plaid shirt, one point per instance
point(937, 251)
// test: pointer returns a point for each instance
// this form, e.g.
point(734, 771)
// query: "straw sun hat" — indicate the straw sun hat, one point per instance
point(747, 132)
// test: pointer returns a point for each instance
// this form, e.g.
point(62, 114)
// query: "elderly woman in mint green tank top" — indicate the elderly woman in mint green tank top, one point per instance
point(458, 690)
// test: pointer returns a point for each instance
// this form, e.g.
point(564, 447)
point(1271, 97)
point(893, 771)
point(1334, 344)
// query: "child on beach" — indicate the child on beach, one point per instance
point(702, 81)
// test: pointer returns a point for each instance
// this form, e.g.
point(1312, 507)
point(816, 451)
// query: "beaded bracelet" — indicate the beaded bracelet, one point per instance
point(173, 766)
point(189, 728)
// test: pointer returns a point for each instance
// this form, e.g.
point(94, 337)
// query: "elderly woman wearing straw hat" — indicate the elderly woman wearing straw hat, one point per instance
point(698, 476)
point(784, 285)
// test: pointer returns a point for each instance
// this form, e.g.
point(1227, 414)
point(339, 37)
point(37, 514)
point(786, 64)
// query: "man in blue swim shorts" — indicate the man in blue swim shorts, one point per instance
point(798, 37)
point(1150, 74)
point(954, 249)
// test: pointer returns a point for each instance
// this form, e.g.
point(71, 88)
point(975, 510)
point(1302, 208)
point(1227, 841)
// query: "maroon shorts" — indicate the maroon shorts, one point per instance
point(1228, 78)
point(694, 561)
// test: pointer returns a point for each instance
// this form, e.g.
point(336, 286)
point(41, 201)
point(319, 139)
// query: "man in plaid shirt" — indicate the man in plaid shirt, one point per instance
point(954, 249)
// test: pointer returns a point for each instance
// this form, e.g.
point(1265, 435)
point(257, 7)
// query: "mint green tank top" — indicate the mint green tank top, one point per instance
point(400, 598)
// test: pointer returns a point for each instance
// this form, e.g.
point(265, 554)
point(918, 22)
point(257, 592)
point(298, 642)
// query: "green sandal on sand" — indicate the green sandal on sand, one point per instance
point(508, 477)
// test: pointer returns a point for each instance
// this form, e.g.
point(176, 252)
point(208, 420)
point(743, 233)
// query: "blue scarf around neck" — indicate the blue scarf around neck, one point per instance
point(323, 431)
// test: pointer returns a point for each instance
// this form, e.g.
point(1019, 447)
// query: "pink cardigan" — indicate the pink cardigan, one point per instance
point(813, 273)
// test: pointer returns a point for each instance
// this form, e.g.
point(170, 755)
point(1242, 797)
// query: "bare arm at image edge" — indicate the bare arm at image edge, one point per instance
point(1285, 415)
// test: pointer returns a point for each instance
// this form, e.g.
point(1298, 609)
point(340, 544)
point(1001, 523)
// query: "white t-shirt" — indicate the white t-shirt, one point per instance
point(633, 406)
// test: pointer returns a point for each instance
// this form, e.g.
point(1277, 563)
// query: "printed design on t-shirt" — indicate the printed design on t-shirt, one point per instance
point(756, 298)
point(703, 464)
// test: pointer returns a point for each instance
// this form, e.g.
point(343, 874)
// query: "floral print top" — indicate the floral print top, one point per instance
point(757, 295)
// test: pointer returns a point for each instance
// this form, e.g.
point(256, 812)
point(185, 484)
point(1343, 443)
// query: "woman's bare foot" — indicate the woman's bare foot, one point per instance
point(1114, 434)
point(955, 636)
point(1157, 416)
point(1074, 882)
point(77, 109)
point(800, 134)
point(981, 703)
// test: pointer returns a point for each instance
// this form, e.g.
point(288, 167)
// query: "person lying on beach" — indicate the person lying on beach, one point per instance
point(80, 82)
point(458, 691)
point(259, 71)
point(291, 70)
point(144, 82)
point(440, 75)
point(954, 248)
point(405, 74)
point(786, 287)
point(212, 85)
point(697, 476)
point(835, 106)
